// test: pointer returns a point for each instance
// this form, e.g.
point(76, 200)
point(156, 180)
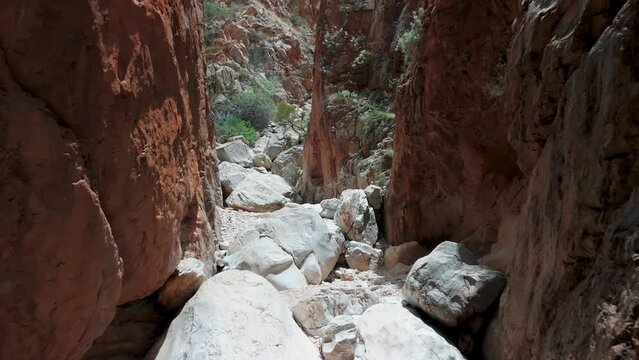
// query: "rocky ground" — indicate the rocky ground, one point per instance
point(322, 274)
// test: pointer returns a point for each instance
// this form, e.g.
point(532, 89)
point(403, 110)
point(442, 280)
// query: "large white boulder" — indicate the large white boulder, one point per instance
point(264, 257)
point(236, 152)
point(297, 231)
point(339, 338)
point(232, 175)
point(276, 144)
point(315, 307)
point(255, 196)
point(329, 207)
point(288, 164)
point(302, 232)
point(236, 315)
point(362, 256)
point(389, 331)
point(356, 218)
point(450, 286)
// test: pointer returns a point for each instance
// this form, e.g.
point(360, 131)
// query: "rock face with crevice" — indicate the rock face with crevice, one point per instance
point(452, 160)
point(519, 140)
point(105, 183)
point(342, 151)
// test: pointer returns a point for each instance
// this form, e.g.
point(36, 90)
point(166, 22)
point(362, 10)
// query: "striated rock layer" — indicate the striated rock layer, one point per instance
point(520, 140)
point(104, 180)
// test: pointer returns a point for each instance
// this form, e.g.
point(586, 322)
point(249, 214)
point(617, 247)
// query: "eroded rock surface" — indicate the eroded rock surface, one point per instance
point(389, 331)
point(449, 285)
point(301, 247)
point(356, 218)
point(105, 180)
point(236, 315)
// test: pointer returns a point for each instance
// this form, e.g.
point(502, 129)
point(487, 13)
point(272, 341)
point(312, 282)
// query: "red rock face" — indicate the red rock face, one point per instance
point(537, 169)
point(452, 161)
point(335, 135)
point(308, 9)
point(573, 98)
point(104, 156)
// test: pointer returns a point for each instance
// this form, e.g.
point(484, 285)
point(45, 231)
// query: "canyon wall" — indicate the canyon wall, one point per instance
point(573, 102)
point(105, 183)
point(348, 74)
point(452, 161)
point(520, 140)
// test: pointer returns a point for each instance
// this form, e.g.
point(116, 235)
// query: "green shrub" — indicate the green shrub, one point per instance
point(257, 108)
point(213, 10)
point(408, 42)
point(374, 117)
point(228, 126)
point(362, 58)
point(284, 112)
point(267, 85)
point(298, 21)
point(344, 96)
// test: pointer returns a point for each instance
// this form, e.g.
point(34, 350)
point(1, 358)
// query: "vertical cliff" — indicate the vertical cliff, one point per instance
point(350, 79)
point(573, 101)
point(452, 160)
point(105, 181)
point(519, 139)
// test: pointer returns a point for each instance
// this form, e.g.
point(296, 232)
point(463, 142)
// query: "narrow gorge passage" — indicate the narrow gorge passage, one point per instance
point(319, 179)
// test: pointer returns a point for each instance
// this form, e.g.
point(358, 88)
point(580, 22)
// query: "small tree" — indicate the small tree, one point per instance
point(257, 108)
point(408, 42)
point(285, 116)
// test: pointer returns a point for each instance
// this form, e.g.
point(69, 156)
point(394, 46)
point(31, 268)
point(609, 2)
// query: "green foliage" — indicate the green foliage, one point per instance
point(214, 10)
point(362, 58)
point(407, 43)
point(284, 112)
point(298, 21)
point(334, 37)
point(344, 96)
point(267, 85)
point(255, 107)
point(357, 41)
point(227, 125)
point(381, 178)
point(374, 116)
point(346, 6)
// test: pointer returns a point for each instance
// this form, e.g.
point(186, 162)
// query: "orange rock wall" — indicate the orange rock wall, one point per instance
point(105, 181)
point(334, 133)
point(519, 139)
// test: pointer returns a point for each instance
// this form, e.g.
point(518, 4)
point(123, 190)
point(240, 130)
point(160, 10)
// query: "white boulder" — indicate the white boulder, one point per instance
point(314, 307)
point(255, 196)
point(356, 218)
point(450, 286)
point(288, 164)
point(236, 315)
point(264, 257)
point(362, 256)
point(235, 151)
point(389, 331)
point(339, 338)
point(329, 207)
